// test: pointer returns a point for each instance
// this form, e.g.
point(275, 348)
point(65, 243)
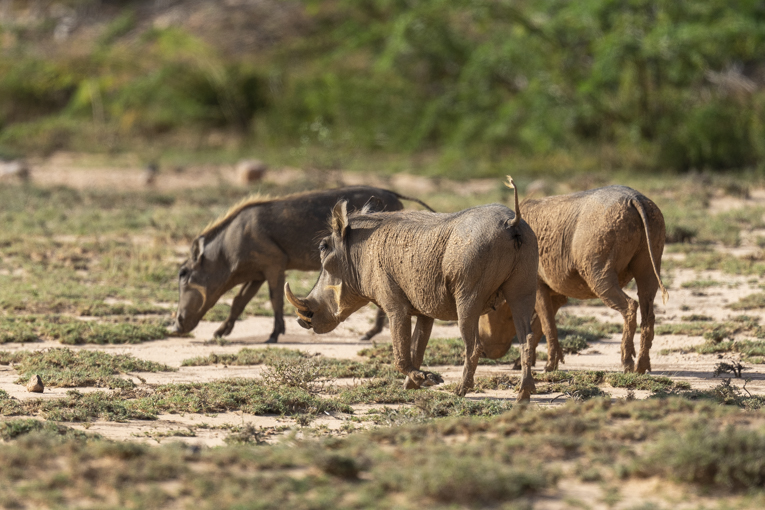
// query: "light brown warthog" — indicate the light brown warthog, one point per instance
point(257, 241)
point(591, 244)
point(431, 266)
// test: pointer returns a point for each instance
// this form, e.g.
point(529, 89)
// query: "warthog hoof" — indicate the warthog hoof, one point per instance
point(272, 339)
point(524, 397)
point(409, 384)
point(462, 389)
point(366, 337)
point(425, 379)
point(643, 366)
point(525, 391)
point(224, 330)
point(629, 366)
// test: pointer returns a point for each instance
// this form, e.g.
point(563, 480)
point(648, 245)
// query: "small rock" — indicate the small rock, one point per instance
point(249, 171)
point(35, 384)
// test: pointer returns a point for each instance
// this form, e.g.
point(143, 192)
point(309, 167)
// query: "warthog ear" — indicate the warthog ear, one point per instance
point(197, 249)
point(373, 205)
point(340, 224)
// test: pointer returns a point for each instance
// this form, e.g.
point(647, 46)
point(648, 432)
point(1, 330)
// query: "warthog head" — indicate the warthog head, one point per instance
point(202, 279)
point(334, 297)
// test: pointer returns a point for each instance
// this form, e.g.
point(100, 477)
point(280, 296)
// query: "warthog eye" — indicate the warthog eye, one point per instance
point(323, 246)
point(183, 273)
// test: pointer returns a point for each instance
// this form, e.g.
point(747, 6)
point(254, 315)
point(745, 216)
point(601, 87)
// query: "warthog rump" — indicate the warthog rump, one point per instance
point(257, 241)
point(429, 266)
point(591, 244)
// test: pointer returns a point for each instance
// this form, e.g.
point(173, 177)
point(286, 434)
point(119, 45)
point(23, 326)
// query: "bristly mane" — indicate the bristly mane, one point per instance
point(214, 227)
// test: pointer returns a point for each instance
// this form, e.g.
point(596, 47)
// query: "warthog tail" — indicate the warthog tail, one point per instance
point(637, 205)
point(511, 184)
point(404, 197)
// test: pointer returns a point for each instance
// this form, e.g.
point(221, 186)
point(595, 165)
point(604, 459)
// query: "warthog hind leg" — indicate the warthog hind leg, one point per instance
point(614, 297)
point(647, 287)
point(522, 302)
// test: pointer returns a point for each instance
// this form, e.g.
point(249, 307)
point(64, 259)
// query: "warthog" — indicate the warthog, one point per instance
point(257, 241)
point(591, 244)
point(427, 265)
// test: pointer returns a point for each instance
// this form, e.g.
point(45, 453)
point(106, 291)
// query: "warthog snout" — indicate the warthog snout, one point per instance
point(177, 328)
point(304, 313)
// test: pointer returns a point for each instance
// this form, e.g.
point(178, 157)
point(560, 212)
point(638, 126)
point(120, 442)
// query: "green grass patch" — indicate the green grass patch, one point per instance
point(378, 391)
point(700, 284)
point(13, 429)
point(575, 332)
point(83, 407)
point(697, 318)
point(69, 330)
point(730, 459)
point(750, 302)
point(249, 395)
point(714, 331)
point(440, 351)
point(752, 351)
point(10, 406)
point(652, 383)
point(328, 367)
point(247, 356)
point(485, 456)
point(707, 261)
point(69, 369)
point(102, 309)
point(587, 382)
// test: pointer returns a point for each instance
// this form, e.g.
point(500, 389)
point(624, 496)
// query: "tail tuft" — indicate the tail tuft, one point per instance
point(511, 184)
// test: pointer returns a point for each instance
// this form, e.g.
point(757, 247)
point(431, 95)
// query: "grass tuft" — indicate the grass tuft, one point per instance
point(65, 368)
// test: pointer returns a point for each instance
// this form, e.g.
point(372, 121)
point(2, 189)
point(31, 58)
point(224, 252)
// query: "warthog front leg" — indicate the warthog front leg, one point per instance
point(276, 293)
point(422, 329)
point(245, 295)
point(401, 331)
point(469, 331)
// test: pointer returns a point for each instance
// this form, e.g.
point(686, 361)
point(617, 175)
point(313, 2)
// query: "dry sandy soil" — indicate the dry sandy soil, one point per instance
point(344, 341)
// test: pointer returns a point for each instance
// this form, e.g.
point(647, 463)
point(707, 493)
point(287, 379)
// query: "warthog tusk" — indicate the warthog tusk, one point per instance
point(294, 300)
point(304, 317)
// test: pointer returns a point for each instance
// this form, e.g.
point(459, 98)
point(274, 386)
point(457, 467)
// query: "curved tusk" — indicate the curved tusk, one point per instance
point(294, 300)
point(306, 318)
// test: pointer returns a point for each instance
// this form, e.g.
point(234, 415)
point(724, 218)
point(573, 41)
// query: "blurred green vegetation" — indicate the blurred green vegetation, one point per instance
point(460, 88)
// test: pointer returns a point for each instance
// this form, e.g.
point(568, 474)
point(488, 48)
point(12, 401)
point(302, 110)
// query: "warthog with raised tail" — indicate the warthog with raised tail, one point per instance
point(591, 244)
point(430, 266)
point(257, 241)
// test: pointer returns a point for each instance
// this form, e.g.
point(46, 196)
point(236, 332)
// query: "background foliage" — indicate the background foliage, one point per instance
point(639, 83)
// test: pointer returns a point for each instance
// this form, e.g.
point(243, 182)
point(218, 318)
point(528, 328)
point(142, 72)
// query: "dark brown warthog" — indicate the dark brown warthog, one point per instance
point(257, 241)
point(431, 266)
point(591, 244)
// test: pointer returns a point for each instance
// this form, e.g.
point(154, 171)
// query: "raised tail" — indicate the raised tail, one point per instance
point(637, 205)
point(404, 197)
point(511, 184)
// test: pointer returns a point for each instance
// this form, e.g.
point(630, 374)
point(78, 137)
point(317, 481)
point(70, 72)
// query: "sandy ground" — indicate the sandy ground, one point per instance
point(344, 341)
